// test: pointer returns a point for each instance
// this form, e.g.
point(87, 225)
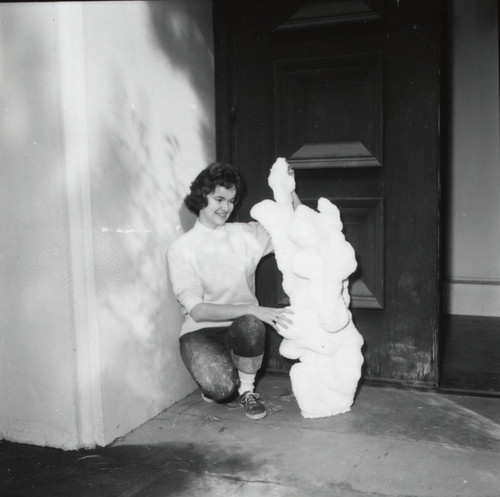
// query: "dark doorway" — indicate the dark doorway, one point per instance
point(470, 355)
point(348, 92)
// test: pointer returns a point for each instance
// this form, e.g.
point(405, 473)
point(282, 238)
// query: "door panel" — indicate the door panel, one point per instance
point(328, 111)
point(348, 92)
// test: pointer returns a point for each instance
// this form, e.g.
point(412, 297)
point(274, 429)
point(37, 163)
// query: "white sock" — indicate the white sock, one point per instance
point(246, 382)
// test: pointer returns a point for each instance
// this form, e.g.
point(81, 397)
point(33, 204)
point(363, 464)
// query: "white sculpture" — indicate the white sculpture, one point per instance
point(316, 261)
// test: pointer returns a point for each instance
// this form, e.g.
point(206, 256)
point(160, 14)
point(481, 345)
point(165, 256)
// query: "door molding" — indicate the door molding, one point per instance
point(329, 111)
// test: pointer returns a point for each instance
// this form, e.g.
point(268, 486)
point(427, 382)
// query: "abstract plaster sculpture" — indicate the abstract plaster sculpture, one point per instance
point(315, 261)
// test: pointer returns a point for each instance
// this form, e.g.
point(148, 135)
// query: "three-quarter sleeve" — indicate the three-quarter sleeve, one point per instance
point(187, 286)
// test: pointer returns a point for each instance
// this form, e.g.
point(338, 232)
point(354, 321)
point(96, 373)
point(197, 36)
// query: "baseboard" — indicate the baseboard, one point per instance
point(402, 384)
point(469, 297)
point(469, 392)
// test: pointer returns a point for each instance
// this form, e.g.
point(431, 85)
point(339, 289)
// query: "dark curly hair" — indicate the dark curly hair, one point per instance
point(215, 174)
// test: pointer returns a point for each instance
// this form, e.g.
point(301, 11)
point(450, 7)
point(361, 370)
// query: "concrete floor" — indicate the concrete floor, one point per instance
point(392, 443)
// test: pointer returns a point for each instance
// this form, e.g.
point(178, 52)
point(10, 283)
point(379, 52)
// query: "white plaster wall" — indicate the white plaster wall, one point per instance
point(474, 259)
point(107, 114)
point(37, 357)
point(150, 93)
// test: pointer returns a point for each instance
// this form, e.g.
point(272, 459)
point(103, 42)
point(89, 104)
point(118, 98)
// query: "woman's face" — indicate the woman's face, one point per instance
point(219, 207)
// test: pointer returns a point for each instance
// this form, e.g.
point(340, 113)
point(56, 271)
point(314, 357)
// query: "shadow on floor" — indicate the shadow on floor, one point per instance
point(392, 443)
point(112, 471)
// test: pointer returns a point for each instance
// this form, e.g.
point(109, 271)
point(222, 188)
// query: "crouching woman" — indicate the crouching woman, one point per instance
point(212, 270)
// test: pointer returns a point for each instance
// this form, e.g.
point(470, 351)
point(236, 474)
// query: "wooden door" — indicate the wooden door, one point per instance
point(348, 92)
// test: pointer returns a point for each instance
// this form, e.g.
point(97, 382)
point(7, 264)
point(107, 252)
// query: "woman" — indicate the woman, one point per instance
point(212, 269)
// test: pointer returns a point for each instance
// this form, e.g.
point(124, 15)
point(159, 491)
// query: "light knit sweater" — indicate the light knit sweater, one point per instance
point(216, 266)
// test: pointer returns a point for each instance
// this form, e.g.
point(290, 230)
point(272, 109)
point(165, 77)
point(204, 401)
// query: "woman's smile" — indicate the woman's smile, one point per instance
point(220, 204)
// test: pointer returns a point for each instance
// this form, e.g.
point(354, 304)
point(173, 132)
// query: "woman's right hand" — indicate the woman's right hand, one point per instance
point(272, 315)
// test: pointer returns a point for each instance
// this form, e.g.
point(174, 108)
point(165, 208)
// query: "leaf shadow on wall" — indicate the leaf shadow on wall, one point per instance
point(185, 37)
point(135, 196)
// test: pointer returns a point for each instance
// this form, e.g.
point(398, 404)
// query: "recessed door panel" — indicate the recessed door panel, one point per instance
point(329, 111)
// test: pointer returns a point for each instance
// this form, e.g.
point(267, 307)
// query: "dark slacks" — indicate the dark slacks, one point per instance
point(213, 356)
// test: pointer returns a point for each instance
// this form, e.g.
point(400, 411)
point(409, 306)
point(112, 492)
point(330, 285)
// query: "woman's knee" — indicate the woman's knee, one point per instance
point(211, 368)
point(248, 324)
point(219, 385)
point(248, 335)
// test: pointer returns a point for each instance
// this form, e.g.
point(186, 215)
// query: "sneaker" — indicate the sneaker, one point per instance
point(254, 408)
point(206, 398)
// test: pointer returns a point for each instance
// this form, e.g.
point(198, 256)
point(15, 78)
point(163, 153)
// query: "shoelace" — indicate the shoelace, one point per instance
point(251, 398)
